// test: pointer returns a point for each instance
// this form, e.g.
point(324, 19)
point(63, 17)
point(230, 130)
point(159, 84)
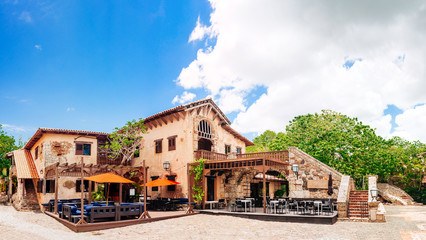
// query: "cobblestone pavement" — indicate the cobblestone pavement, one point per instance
point(403, 222)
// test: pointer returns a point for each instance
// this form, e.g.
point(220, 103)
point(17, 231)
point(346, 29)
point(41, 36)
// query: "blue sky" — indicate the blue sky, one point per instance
point(92, 65)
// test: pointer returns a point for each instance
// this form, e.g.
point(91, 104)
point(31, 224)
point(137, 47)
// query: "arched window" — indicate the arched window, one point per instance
point(204, 130)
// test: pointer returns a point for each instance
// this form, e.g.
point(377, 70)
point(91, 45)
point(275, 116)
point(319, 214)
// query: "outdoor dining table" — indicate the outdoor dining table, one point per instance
point(275, 203)
point(319, 205)
point(211, 203)
point(245, 201)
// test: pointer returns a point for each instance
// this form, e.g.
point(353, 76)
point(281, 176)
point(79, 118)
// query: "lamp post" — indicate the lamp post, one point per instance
point(295, 169)
point(166, 166)
point(374, 192)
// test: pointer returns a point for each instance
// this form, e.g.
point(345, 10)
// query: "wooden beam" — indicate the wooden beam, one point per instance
point(176, 116)
point(214, 117)
point(56, 188)
point(153, 123)
point(159, 123)
point(199, 110)
point(264, 187)
point(209, 110)
point(170, 118)
point(164, 120)
point(181, 115)
point(148, 125)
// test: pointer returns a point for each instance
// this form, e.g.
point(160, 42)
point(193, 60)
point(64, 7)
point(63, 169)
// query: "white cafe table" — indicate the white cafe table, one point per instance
point(275, 203)
point(211, 203)
point(245, 201)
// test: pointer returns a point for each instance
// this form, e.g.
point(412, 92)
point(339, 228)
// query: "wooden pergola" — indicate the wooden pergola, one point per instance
point(260, 163)
point(82, 170)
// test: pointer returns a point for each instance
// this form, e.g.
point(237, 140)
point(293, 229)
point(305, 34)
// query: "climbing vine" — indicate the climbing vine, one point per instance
point(197, 170)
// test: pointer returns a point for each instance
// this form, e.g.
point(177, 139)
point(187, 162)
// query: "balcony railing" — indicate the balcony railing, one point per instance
point(103, 159)
point(276, 155)
point(213, 156)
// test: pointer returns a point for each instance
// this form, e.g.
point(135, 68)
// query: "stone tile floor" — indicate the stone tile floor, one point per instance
point(403, 222)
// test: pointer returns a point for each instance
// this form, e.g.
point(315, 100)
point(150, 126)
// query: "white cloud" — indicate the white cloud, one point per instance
point(26, 17)
point(297, 51)
point(13, 128)
point(411, 124)
point(70, 109)
point(38, 47)
point(185, 97)
point(200, 31)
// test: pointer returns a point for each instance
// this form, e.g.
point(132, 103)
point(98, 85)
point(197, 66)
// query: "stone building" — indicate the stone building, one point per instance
point(175, 139)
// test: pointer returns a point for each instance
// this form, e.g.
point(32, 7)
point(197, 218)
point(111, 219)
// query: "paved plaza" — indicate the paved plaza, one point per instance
point(402, 223)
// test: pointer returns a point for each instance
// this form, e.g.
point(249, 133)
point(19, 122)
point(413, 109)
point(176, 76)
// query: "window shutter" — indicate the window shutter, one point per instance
point(40, 186)
point(78, 149)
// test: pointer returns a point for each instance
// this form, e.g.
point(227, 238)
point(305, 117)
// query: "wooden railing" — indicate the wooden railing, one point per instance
point(213, 156)
point(277, 155)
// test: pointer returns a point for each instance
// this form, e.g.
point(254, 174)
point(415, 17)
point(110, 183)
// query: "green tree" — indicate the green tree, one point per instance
point(7, 144)
point(352, 148)
point(125, 142)
point(261, 142)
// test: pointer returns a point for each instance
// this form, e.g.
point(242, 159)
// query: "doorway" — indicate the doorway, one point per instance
point(210, 188)
point(205, 144)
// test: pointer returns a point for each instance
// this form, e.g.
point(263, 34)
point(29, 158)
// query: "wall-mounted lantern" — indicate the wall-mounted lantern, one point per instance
point(166, 166)
point(295, 169)
point(374, 193)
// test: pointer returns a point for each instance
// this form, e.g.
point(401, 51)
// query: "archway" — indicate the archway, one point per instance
point(204, 144)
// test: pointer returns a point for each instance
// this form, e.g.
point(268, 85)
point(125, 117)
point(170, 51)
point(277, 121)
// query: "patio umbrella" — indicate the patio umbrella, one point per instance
point(330, 185)
point(108, 178)
point(161, 182)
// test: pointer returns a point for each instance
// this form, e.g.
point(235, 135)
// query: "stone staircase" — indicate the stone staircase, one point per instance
point(358, 204)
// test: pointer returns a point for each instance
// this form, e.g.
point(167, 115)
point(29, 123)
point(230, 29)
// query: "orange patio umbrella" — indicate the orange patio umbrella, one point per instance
point(108, 178)
point(161, 182)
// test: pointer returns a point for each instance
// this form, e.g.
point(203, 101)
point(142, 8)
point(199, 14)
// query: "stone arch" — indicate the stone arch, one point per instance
point(204, 134)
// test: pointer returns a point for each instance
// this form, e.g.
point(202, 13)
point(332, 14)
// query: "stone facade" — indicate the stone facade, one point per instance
point(310, 169)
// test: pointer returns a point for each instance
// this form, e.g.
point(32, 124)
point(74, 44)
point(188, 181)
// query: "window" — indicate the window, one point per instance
point(82, 149)
point(204, 130)
point(227, 149)
point(154, 189)
point(86, 185)
point(36, 152)
point(137, 152)
point(159, 146)
point(238, 150)
point(50, 186)
point(40, 186)
point(172, 143)
point(171, 187)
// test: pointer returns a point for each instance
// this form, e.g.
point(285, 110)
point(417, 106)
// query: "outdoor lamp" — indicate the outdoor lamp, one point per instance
point(374, 191)
point(166, 166)
point(295, 169)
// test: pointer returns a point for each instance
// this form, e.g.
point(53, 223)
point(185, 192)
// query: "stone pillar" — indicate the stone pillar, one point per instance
point(372, 205)
point(343, 197)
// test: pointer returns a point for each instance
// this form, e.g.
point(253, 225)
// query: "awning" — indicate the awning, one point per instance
point(269, 178)
point(25, 165)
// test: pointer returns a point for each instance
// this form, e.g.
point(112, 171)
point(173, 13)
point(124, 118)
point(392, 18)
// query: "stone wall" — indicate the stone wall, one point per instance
point(394, 194)
point(310, 169)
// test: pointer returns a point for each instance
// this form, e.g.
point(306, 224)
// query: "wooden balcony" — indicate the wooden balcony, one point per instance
point(213, 156)
point(276, 155)
point(103, 159)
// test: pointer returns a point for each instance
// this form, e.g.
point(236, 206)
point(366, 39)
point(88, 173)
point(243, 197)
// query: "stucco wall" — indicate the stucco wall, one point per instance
point(60, 148)
point(186, 131)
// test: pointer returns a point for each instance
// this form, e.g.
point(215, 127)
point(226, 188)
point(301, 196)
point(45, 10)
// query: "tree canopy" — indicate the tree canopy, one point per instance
point(125, 142)
point(7, 144)
point(351, 147)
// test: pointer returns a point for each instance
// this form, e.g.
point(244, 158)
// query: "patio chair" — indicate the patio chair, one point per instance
point(283, 207)
point(309, 207)
point(239, 205)
point(328, 207)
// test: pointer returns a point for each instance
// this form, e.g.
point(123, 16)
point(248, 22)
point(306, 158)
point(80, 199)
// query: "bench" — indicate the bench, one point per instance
point(127, 210)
